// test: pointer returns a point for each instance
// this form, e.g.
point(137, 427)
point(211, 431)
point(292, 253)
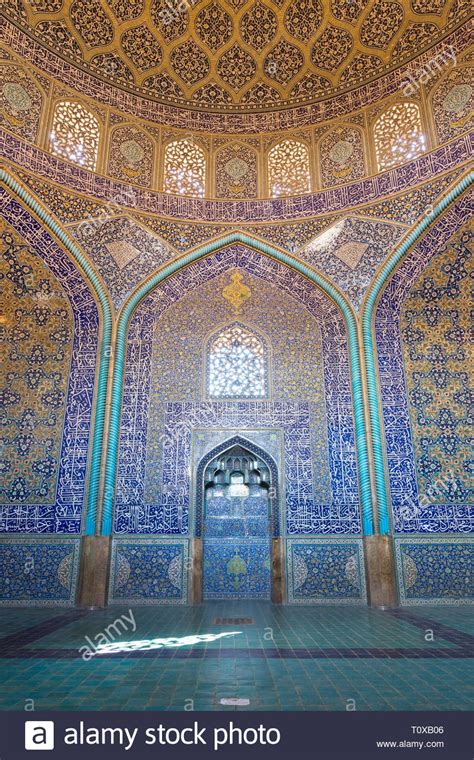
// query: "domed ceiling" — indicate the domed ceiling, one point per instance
point(237, 54)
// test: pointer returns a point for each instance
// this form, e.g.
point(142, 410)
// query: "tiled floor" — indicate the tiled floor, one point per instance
point(288, 658)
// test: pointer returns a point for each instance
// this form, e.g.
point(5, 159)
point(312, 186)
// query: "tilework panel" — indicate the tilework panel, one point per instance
point(38, 572)
point(325, 571)
point(453, 103)
point(164, 507)
point(103, 239)
point(435, 572)
point(435, 327)
point(149, 572)
point(332, 201)
point(410, 485)
point(235, 568)
point(350, 252)
point(36, 348)
point(285, 119)
point(21, 102)
point(65, 514)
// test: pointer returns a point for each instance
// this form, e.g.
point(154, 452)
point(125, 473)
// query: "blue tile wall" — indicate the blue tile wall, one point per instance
point(38, 572)
point(145, 571)
point(325, 571)
point(439, 571)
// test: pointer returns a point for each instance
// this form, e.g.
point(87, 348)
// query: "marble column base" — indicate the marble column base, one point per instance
point(278, 590)
point(195, 580)
point(380, 571)
point(94, 571)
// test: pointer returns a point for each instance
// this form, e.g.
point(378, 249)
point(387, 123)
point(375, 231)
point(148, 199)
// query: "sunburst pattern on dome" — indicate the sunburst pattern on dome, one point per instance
point(237, 54)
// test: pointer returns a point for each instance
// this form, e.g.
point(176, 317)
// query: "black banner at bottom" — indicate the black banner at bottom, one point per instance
point(147, 735)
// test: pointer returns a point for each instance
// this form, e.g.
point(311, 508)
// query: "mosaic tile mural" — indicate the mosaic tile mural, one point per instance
point(435, 572)
point(48, 495)
point(21, 102)
point(330, 201)
point(325, 571)
point(236, 569)
point(131, 154)
point(149, 572)
point(38, 572)
point(350, 251)
point(315, 415)
point(424, 367)
point(453, 103)
point(37, 332)
point(122, 250)
point(341, 156)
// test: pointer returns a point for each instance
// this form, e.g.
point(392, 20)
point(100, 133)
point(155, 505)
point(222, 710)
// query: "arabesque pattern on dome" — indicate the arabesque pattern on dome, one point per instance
point(238, 54)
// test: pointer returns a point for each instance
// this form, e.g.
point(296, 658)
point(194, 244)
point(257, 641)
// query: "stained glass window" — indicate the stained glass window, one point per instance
point(237, 364)
point(288, 168)
point(398, 135)
point(75, 134)
point(185, 168)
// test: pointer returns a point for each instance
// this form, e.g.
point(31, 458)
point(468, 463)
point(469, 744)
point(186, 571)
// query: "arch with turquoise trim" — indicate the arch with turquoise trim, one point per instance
point(94, 281)
point(291, 262)
point(369, 357)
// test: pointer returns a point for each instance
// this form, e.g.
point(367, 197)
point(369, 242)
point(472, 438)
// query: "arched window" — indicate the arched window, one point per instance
point(75, 134)
point(237, 364)
point(398, 135)
point(185, 168)
point(288, 169)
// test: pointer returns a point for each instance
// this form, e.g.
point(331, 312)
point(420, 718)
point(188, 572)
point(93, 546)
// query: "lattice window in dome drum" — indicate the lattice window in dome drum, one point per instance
point(288, 169)
point(184, 169)
point(237, 364)
point(398, 135)
point(75, 134)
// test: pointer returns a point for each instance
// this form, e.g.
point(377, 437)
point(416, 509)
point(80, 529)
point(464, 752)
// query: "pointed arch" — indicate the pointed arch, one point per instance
point(221, 448)
point(368, 347)
point(94, 282)
point(292, 263)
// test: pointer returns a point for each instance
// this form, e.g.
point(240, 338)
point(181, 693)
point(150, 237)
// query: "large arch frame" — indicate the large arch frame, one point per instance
point(291, 262)
point(388, 314)
point(368, 343)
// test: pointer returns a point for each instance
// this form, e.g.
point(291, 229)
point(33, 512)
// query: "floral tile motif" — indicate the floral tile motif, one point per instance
point(153, 486)
point(325, 571)
point(437, 571)
point(149, 572)
point(61, 512)
point(236, 568)
point(38, 572)
point(426, 455)
point(350, 251)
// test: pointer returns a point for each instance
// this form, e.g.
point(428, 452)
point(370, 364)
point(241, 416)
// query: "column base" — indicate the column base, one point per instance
point(195, 576)
point(277, 571)
point(380, 571)
point(94, 571)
